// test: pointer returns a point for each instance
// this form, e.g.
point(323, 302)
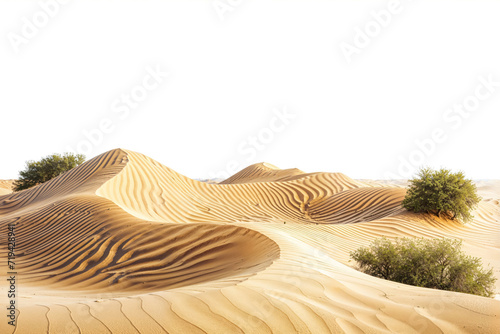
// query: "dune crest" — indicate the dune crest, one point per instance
point(125, 244)
point(149, 190)
point(262, 172)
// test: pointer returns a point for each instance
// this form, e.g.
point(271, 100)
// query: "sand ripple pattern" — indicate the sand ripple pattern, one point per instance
point(149, 190)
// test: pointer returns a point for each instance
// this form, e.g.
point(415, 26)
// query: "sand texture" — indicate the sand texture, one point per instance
point(124, 244)
point(6, 187)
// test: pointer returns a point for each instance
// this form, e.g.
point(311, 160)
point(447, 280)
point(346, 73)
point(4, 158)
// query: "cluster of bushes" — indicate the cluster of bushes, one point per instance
point(41, 171)
point(429, 263)
point(442, 193)
point(432, 263)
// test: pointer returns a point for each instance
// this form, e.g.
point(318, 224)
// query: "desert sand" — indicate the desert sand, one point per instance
point(124, 244)
point(6, 186)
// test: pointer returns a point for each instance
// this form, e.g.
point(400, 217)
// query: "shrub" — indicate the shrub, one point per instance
point(429, 263)
point(442, 192)
point(37, 172)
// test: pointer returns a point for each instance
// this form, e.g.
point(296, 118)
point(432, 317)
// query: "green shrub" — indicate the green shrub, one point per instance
point(37, 172)
point(442, 192)
point(429, 263)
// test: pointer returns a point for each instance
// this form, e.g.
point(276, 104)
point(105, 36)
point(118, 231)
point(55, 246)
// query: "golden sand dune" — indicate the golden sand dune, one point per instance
point(6, 186)
point(103, 248)
point(151, 191)
point(123, 244)
point(263, 172)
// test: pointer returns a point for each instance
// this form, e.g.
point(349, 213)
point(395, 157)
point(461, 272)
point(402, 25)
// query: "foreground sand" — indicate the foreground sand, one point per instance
point(123, 244)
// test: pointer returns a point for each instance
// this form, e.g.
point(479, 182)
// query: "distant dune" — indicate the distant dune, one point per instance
point(124, 244)
point(263, 172)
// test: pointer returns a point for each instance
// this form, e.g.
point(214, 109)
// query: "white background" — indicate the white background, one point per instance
point(227, 75)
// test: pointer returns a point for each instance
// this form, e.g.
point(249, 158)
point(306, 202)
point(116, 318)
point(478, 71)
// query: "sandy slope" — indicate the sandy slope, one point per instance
point(124, 244)
point(6, 187)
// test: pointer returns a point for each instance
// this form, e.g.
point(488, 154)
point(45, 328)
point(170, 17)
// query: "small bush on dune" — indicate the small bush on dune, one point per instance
point(442, 192)
point(429, 263)
point(41, 171)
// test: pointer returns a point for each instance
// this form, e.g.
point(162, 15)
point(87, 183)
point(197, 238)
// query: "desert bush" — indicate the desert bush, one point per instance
point(442, 192)
point(429, 263)
point(41, 171)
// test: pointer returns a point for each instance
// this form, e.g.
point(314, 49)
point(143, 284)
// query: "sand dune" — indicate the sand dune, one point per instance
point(263, 172)
point(6, 187)
point(150, 191)
point(123, 244)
